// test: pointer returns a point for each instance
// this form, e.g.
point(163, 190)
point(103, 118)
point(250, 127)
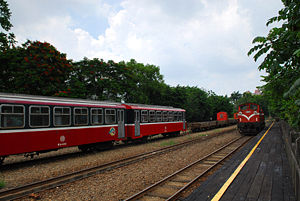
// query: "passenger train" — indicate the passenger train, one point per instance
point(36, 124)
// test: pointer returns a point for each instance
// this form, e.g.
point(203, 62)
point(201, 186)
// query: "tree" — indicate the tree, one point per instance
point(35, 68)
point(282, 62)
point(220, 104)
point(6, 39)
point(130, 82)
point(143, 83)
point(234, 97)
point(90, 79)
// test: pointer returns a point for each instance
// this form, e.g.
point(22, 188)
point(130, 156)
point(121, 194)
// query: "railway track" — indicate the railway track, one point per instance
point(25, 190)
point(173, 185)
point(45, 159)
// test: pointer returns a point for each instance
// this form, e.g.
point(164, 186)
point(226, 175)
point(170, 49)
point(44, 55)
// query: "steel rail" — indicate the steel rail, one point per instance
point(164, 180)
point(24, 190)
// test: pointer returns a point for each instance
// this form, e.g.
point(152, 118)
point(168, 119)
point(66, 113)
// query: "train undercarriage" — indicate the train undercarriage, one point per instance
point(250, 128)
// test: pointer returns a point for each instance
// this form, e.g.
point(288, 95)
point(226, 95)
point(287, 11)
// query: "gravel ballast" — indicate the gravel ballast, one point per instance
point(120, 183)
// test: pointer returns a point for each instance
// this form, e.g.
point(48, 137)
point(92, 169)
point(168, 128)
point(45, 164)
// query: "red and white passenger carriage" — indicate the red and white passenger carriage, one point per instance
point(35, 124)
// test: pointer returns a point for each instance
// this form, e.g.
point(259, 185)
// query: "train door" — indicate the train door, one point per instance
point(121, 124)
point(137, 123)
point(183, 119)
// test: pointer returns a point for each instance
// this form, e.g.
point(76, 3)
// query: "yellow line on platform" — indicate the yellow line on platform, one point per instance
point(236, 172)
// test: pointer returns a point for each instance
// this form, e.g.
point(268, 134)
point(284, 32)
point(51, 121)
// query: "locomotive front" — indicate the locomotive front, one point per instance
point(250, 118)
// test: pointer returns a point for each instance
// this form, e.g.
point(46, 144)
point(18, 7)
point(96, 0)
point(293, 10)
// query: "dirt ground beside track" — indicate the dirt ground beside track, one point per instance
point(119, 183)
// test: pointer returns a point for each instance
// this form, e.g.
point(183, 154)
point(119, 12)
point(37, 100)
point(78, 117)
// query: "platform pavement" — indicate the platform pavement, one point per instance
point(266, 175)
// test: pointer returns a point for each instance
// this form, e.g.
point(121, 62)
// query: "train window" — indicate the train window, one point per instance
point(171, 116)
point(12, 116)
point(80, 116)
point(110, 116)
point(158, 116)
point(179, 116)
point(165, 116)
point(62, 116)
point(144, 116)
point(152, 116)
point(244, 107)
point(175, 116)
point(253, 107)
point(39, 116)
point(97, 116)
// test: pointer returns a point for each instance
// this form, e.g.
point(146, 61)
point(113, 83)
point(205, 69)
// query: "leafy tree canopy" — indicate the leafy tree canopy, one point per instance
point(282, 62)
point(6, 39)
point(35, 68)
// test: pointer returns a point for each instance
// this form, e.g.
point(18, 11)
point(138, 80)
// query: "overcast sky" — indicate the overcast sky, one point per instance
point(201, 43)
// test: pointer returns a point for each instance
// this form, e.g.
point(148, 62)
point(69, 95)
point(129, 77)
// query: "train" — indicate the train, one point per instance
point(222, 120)
point(251, 119)
point(35, 124)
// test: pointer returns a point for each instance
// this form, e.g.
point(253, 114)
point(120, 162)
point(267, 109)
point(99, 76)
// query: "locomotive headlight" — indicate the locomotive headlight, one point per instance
point(240, 113)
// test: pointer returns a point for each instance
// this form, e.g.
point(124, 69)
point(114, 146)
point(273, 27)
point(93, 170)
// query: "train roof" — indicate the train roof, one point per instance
point(29, 99)
point(22, 98)
point(151, 107)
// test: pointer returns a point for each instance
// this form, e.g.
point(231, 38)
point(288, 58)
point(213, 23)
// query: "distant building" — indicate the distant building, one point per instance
point(257, 92)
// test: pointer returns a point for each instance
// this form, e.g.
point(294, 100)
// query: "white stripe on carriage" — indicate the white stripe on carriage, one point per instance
point(174, 122)
point(53, 129)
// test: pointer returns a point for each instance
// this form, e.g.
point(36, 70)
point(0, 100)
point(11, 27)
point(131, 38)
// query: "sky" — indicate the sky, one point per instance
point(202, 43)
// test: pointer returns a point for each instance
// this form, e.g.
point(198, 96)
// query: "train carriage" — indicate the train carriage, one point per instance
point(148, 120)
point(35, 124)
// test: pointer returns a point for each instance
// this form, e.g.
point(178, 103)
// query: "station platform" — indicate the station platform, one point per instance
point(265, 176)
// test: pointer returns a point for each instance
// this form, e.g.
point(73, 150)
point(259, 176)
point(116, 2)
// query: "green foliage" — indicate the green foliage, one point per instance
point(219, 104)
point(196, 104)
point(235, 96)
point(130, 82)
point(199, 104)
point(143, 83)
point(168, 143)
point(282, 63)
point(2, 182)
point(35, 68)
point(5, 16)
point(6, 39)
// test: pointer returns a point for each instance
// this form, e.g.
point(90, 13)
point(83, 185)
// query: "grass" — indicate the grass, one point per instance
point(2, 183)
point(202, 135)
point(168, 143)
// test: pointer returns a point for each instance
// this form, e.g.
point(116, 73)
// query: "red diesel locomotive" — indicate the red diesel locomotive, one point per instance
point(35, 124)
point(251, 118)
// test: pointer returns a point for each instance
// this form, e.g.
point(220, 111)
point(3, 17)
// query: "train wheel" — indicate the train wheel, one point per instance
point(2, 159)
point(104, 145)
point(84, 148)
point(177, 133)
point(144, 139)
